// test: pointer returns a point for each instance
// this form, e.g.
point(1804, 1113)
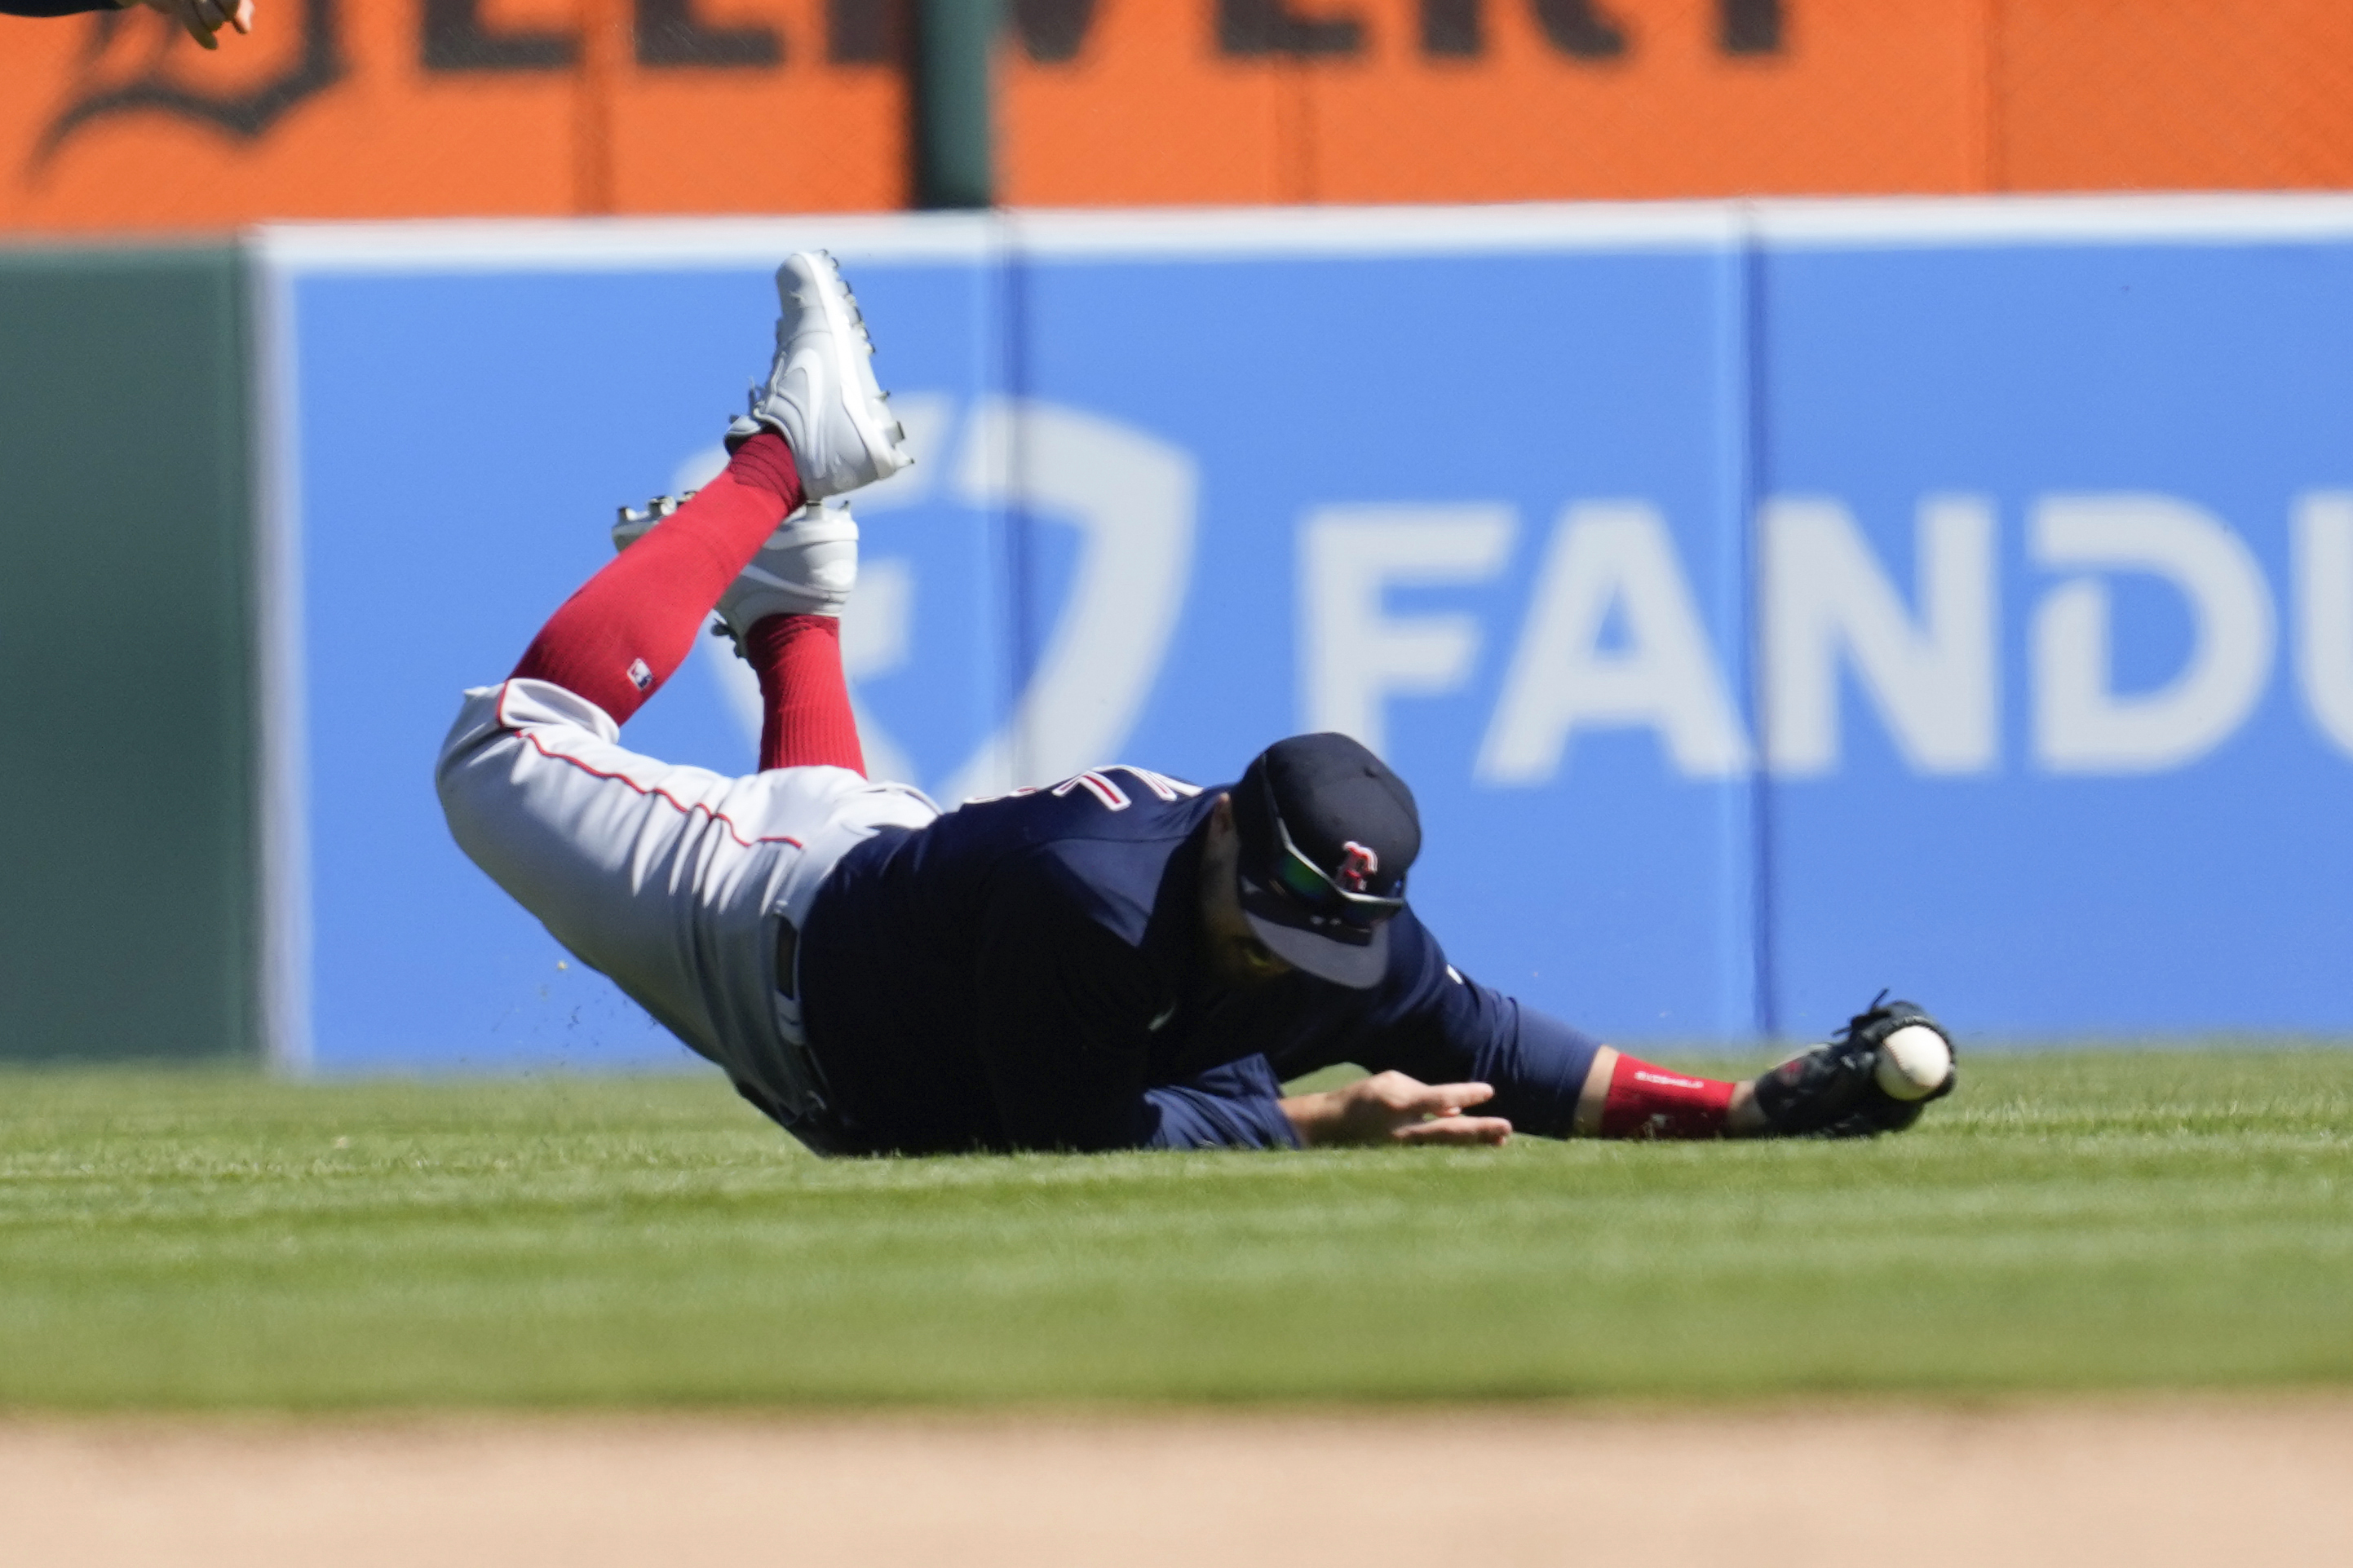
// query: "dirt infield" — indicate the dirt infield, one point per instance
point(2144, 1482)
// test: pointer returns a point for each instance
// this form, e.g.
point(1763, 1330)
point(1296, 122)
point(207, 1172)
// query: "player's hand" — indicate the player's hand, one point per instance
point(203, 18)
point(1390, 1108)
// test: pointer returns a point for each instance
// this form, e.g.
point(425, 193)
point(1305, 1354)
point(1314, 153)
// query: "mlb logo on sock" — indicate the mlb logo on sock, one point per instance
point(641, 675)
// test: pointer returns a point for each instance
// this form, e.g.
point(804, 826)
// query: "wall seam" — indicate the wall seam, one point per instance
point(281, 840)
point(1754, 438)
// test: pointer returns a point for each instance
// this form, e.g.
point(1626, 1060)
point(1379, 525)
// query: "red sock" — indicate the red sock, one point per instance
point(805, 702)
point(1648, 1101)
point(630, 625)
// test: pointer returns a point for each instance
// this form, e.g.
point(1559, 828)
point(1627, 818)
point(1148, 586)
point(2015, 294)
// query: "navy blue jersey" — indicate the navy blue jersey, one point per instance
point(1025, 973)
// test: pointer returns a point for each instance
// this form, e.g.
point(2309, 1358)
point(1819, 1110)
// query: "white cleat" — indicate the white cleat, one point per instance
point(807, 567)
point(821, 396)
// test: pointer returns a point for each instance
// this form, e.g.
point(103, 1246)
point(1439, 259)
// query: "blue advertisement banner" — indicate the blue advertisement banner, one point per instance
point(1767, 604)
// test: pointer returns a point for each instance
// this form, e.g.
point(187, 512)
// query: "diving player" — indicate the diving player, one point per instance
point(1120, 960)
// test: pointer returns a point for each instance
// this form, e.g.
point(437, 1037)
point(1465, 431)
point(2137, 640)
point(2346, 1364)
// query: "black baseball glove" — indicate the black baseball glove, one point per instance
point(1830, 1092)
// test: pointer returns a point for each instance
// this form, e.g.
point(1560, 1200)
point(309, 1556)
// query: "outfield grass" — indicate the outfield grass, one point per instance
point(2069, 1221)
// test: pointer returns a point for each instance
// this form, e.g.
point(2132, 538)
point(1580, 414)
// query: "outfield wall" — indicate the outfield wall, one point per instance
point(1767, 603)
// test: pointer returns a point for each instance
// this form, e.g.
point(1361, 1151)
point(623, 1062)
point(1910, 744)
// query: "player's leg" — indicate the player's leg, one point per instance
point(819, 426)
point(783, 613)
point(805, 715)
point(669, 879)
point(602, 844)
point(618, 639)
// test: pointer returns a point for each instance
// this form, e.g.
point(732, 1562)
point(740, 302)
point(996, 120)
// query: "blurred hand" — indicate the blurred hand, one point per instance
point(1390, 1108)
point(203, 18)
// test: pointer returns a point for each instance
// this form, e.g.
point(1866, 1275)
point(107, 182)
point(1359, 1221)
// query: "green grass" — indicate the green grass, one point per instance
point(2071, 1221)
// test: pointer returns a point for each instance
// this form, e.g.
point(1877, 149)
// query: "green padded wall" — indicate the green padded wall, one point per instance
point(126, 897)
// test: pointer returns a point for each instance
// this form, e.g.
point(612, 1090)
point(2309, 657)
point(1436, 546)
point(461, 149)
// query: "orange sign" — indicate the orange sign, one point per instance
point(391, 108)
point(412, 108)
point(1422, 101)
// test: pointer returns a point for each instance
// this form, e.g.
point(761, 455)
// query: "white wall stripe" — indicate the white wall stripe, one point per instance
point(604, 245)
point(2194, 219)
point(616, 245)
point(282, 808)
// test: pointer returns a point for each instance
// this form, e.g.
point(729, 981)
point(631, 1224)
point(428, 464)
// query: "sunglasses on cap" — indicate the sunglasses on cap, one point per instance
point(1307, 882)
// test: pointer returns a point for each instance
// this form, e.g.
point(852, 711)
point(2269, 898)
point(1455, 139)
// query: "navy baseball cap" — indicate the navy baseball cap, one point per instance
point(1327, 833)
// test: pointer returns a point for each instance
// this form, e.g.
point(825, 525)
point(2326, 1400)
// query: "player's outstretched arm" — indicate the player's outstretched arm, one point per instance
point(1390, 1108)
point(1874, 1076)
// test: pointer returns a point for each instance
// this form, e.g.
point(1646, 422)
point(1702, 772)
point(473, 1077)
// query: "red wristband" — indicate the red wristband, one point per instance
point(1648, 1101)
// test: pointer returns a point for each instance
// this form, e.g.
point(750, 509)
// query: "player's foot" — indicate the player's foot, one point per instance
point(807, 567)
point(821, 396)
point(1836, 1091)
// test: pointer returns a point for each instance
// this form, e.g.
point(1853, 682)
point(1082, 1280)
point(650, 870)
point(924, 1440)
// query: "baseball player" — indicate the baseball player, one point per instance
point(1120, 960)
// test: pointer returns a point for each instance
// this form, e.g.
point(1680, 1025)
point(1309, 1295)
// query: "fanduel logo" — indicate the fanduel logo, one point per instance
point(1613, 635)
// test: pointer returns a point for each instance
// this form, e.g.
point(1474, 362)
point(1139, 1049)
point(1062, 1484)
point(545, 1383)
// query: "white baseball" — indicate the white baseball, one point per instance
point(1911, 1062)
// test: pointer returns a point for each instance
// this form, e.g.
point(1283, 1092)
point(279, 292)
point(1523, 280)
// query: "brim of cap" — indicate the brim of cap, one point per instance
point(1342, 963)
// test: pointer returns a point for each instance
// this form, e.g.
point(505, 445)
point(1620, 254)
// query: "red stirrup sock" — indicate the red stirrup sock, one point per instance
point(805, 701)
point(630, 625)
point(1647, 1102)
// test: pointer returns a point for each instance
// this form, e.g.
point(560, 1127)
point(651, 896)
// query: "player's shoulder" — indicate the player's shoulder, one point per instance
point(1098, 844)
point(1116, 802)
point(1418, 972)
